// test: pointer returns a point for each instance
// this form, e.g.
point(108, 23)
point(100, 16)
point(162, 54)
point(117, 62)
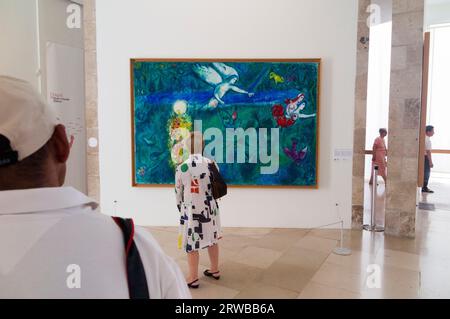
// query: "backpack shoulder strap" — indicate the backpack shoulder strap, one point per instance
point(137, 281)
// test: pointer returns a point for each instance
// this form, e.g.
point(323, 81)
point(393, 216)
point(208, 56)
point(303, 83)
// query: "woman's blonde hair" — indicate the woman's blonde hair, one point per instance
point(195, 143)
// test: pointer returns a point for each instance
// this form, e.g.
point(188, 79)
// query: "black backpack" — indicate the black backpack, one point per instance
point(219, 187)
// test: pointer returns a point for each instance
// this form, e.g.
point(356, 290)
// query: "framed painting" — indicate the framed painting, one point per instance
point(259, 118)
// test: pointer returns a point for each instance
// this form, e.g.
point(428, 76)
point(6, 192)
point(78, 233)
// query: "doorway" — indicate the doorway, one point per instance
point(438, 114)
point(377, 117)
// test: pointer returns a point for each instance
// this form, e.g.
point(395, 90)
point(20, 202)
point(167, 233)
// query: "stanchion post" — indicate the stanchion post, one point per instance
point(341, 250)
point(374, 198)
point(371, 226)
point(373, 208)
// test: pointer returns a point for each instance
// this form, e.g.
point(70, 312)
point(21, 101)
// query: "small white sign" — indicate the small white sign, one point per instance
point(343, 154)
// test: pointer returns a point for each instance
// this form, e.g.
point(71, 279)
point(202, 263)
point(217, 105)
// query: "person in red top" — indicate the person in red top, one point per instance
point(379, 152)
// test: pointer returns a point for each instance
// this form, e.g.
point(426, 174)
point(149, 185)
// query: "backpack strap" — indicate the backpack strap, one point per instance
point(137, 281)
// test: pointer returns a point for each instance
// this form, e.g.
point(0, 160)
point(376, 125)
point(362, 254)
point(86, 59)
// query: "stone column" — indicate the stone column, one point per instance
point(90, 56)
point(359, 134)
point(404, 116)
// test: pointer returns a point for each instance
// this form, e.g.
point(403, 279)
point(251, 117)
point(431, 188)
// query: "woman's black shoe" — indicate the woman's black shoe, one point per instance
point(194, 284)
point(214, 275)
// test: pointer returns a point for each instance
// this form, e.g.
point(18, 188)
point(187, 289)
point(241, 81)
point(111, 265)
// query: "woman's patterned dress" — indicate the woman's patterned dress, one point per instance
point(199, 220)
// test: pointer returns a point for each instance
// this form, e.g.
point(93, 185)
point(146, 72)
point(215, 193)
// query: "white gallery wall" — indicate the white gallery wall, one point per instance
point(228, 29)
point(28, 29)
point(53, 28)
point(437, 22)
point(436, 12)
point(62, 74)
point(379, 77)
point(18, 40)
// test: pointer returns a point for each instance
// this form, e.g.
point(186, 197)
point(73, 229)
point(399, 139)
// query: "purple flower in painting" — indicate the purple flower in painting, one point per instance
point(292, 153)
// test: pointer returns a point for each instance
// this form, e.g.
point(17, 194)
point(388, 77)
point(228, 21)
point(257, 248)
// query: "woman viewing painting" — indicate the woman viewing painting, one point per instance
point(199, 211)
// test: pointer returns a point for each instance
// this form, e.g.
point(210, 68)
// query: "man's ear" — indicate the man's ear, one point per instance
point(60, 144)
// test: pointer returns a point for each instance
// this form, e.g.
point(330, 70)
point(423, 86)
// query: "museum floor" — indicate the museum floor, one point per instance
point(295, 263)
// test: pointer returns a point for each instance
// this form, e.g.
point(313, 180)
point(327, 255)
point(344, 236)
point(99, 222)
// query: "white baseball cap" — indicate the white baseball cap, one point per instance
point(25, 119)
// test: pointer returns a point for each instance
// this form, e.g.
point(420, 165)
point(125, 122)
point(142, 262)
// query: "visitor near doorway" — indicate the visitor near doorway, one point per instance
point(379, 152)
point(428, 159)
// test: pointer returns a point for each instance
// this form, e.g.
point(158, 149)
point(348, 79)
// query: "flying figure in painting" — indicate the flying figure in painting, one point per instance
point(294, 107)
point(223, 78)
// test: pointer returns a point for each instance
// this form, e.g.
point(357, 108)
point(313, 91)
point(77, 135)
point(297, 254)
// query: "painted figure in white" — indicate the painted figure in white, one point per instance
point(223, 78)
point(295, 106)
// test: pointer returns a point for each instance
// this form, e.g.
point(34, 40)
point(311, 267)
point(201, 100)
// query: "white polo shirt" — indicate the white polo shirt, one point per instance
point(55, 244)
point(428, 145)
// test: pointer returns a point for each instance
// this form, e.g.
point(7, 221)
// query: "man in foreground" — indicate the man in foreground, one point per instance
point(54, 243)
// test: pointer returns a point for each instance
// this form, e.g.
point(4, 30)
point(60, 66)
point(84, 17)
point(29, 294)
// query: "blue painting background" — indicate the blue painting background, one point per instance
point(158, 85)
